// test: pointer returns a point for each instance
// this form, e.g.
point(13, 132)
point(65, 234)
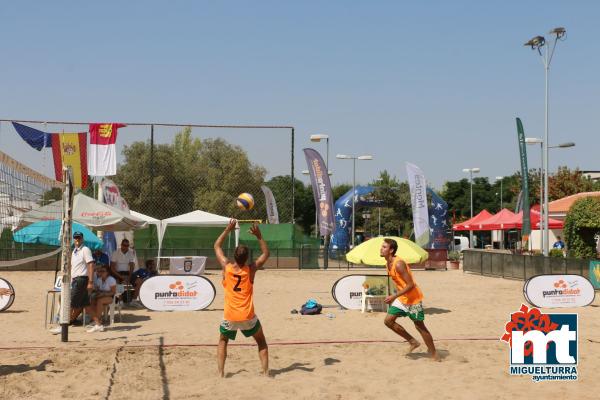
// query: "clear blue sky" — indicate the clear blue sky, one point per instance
point(437, 83)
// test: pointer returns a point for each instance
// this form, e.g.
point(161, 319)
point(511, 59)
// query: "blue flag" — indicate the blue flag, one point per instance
point(36, 139)
point(438, 222)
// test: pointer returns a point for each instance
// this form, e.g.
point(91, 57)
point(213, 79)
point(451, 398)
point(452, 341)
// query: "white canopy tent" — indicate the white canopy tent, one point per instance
point(90, 212)
point(198, 218)
point(151, 221)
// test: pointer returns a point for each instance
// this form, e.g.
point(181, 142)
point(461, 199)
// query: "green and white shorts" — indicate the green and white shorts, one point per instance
point(413, 311)
point(249, 328)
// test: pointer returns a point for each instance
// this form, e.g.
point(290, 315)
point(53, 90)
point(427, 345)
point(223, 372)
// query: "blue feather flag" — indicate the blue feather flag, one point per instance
point(438, 221)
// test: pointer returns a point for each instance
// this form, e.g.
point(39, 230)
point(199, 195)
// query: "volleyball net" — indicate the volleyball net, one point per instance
point(31, 213)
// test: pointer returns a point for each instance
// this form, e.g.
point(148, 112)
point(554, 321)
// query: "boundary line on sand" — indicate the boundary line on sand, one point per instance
point(295, 343)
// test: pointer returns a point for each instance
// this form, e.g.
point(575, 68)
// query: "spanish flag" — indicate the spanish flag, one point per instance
point(69, 150)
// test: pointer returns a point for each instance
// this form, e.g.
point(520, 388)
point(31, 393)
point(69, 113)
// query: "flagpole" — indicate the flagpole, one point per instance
point(98, 181)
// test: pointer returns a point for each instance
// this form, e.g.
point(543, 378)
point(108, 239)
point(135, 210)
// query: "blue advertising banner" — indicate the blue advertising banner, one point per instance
point(343, 216)
point(322, 190)
point(438, 222)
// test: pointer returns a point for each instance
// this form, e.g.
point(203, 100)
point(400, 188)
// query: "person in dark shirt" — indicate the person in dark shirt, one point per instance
point(100, 258)
point(559, 244)
point(142, 274)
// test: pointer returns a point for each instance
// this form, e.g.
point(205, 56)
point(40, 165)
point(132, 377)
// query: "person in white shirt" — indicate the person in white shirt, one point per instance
point(82, 275)
point(122, 262)
point(105, 287)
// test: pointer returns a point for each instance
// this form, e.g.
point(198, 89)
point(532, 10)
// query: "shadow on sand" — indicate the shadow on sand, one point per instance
point(21, 368)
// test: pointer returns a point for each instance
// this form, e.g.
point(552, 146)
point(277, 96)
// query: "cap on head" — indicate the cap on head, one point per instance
point(77, 234)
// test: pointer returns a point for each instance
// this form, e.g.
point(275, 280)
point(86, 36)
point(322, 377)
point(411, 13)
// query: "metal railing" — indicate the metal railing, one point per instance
point(519, 266)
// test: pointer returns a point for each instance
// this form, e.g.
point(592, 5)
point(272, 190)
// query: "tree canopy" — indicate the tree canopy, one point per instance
point(189, 174)
point(581, 227)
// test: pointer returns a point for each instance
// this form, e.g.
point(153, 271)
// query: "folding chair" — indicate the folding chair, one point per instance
point(117, 302)
point(372, 301)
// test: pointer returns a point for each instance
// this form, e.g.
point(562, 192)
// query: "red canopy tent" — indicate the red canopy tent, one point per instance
point(504, 219)
point(468, 224)
point(535, 221)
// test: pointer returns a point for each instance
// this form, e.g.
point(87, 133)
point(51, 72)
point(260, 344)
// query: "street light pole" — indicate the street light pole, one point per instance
point(537, 43)
point(353, 158)
point(378, 221)
point(543, 205)
point(471, 171)
point(501, 179)
point(318, 138)
point(353, 198)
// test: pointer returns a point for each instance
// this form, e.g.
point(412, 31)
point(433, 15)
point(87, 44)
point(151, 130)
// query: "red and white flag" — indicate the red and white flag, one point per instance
point(102, 159)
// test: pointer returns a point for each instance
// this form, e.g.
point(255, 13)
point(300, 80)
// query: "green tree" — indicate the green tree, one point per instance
point(189, 174)
point(396, 212)
point(566, 182)
point(339, 190)
point(458, 196)
point(581, 226)
point(224, 172)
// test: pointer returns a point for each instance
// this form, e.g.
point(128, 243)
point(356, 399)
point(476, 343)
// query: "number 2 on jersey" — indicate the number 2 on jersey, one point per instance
point(236, 288)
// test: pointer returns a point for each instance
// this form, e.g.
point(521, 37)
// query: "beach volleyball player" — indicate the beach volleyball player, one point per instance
point(407, 302)
point(238, 282)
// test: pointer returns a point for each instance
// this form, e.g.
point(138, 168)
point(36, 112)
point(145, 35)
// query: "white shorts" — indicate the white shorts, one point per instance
point(239, 325)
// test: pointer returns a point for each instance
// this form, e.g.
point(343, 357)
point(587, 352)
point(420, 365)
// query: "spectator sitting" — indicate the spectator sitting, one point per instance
point(105, 287)
point(142, 274)
point(101, 258)
point(122, 263)
point(559, 244)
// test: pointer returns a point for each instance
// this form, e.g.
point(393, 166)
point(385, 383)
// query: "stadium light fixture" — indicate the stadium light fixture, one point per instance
point(318, 137)
point(537, 43)
point(564, 145)
point(532, 140)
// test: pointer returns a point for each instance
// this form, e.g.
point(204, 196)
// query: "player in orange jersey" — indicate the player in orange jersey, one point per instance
point(407, 302)
point(238, 282)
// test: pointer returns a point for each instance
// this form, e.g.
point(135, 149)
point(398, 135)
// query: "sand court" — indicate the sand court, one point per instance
point(154, 355)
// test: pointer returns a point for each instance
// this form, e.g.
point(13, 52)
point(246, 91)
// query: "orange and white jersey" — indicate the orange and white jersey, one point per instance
point(238, 288)
point(414, 295)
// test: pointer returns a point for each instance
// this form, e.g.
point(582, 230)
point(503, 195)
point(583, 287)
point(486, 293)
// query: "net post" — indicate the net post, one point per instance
point(65, 294)
point(152, 162)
